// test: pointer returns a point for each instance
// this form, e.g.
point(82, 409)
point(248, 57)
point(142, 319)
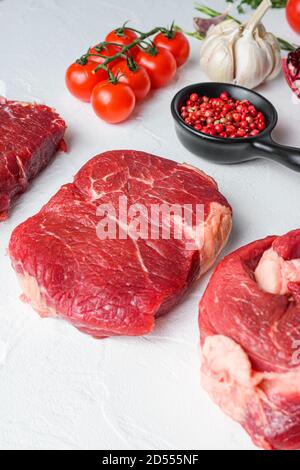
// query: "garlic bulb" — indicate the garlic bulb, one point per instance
point(246, 55)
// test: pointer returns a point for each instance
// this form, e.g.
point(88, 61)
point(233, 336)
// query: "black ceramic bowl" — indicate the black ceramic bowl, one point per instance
point(224, 150)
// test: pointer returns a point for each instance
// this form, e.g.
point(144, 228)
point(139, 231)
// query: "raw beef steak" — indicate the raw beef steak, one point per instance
point(30, 134)
point(115, 286)
point(250, 335)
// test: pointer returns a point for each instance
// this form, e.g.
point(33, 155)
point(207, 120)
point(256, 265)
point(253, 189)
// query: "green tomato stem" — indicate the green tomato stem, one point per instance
point(127, 48)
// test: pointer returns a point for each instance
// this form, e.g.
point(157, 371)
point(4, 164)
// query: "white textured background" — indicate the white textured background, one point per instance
point(60, 388)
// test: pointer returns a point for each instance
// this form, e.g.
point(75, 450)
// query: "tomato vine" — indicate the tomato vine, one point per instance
point(124, 51)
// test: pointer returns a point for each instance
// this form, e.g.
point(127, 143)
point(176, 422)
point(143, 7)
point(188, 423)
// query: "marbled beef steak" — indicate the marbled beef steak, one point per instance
point(30, 134)
point(116, 286)
point(250, 336)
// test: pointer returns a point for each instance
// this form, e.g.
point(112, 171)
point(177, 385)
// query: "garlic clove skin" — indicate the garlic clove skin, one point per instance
point(253, 59)
point(217, 58)
point(271, 39)
point(269, 43)
point(218, 62)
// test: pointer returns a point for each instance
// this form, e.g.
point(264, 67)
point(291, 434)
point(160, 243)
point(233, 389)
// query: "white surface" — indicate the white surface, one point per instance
point(58, 387)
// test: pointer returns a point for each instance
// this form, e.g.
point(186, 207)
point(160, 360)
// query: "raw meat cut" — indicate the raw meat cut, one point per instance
point(116, 286)
point(250, 335)
point(30, 134)
point(274, 273)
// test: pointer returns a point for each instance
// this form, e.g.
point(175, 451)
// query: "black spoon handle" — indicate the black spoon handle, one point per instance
point(288, 156)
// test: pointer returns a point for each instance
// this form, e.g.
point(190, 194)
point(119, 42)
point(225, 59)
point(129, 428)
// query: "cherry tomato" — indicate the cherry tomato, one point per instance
point(178, 45)
point(293, 14)
point(124, 38)
point(113, 102)
point(107, 51)
point(81, 80)
point(138, 79)
point(161, 67)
